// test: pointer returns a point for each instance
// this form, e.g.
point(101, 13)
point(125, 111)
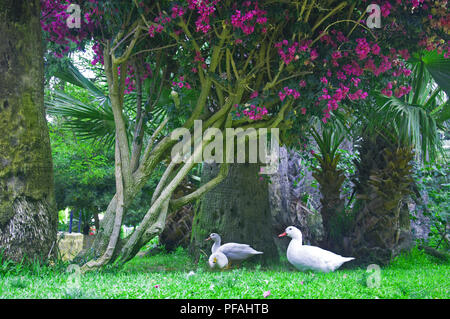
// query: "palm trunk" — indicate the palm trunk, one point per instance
point(384, 179)
point(28, 217)
point(330, 180)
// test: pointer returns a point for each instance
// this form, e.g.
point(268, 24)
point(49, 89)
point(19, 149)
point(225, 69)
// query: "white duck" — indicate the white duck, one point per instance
point(304, 257)
point(233, 251)
point(218, 260)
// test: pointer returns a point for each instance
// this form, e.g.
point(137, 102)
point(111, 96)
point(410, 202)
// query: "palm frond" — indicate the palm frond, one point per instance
point(88, 121)
point(413, 125)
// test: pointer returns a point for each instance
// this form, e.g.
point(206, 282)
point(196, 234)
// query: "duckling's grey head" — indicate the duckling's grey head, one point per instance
point(215, 237)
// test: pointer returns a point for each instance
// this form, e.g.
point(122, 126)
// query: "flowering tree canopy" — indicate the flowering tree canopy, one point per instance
point(261, 64)
point(313, 57)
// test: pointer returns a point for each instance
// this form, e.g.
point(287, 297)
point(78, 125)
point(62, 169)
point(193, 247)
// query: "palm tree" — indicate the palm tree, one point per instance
point(398, 131)
point(330, 179)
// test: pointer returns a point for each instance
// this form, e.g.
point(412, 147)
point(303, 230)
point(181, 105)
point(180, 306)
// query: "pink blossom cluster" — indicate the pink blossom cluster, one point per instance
point(333, 101)
point(362, 49)
point(205, 9)
point(358, 95)
point(162, 20)
point(130, 80)
point(181, 83)
point(155, 29)
point(200, 60)
point(54, 18)
point(289, 53)
point(177, 11)
point(252, 112)
point(248, 20)
point(287, 92)
point(98, 54)
point(398, 92)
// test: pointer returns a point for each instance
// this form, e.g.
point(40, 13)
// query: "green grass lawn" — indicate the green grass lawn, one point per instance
point(174, 275)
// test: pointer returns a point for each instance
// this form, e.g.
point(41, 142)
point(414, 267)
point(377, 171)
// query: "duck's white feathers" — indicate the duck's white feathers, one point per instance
point(218, 260)
point(304, 257)
point(235, 251)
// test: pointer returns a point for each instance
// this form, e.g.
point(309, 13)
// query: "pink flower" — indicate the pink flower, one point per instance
point(376, 49)
point(156, 286)
point(404, 53)
point(336, 55)
point(302, 83)
point(266, 294)
point(355, 81)
point(362, 49)
point(386, 9)
point(254, 95)
point(324, 80)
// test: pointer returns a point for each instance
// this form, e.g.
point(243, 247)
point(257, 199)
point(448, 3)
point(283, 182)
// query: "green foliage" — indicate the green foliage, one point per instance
point(84, 172)
point(433, 181)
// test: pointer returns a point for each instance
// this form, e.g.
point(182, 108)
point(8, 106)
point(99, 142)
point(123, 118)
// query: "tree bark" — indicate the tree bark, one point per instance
point(383, 182)
point(28, 216)
point(330, 179)
point(237, 209)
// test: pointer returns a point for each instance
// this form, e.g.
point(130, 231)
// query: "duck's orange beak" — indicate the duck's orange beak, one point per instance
point(282, 235)
point(208, 238)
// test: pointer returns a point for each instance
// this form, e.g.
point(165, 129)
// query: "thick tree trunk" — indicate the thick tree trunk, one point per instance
point(381, 228)
point(237, 209)
point(28, 217)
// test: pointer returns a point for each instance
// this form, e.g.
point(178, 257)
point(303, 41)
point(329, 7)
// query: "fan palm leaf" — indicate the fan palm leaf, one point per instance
point(95, 120)
point(89, 121)
point(415, 119)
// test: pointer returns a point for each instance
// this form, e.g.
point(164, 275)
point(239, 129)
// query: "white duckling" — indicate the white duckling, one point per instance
point(304, 257)
point(218, 260)
point(233, 251)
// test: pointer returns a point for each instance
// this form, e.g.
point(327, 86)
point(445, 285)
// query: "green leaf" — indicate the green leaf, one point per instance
point(439, 68)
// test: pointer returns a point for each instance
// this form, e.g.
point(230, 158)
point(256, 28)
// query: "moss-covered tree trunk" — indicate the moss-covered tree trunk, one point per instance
point(237, 209)
point(28, 218)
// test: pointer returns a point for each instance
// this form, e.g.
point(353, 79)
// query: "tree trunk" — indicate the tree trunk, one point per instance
point(384, 180)
point(28, 217)
point(330, 179)
point(238, 210)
